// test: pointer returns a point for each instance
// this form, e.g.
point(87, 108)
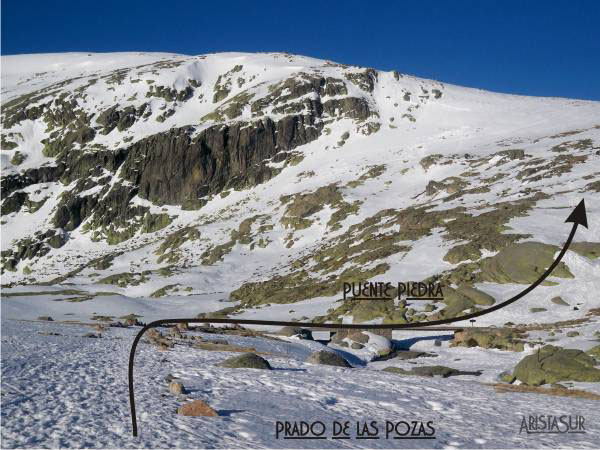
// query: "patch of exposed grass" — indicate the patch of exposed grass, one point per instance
point(557, 392)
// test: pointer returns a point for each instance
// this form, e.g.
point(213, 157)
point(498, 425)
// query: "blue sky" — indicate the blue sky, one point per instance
point(548, 48)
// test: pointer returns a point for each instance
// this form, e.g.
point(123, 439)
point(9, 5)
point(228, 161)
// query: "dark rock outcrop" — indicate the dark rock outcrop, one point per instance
point(80, 164)
point(13, 203)
point(120, 119)
point(406, 354)
point(43, 174)
point(430, 371)
point(172, 167)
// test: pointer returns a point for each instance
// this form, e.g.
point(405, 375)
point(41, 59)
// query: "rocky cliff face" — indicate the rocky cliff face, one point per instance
point(279, 176)
point(177, 167)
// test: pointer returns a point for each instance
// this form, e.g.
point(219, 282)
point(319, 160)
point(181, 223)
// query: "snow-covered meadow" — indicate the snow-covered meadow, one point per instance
point(67, 390)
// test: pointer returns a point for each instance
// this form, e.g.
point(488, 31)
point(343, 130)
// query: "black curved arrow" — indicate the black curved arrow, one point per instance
point(577, 217)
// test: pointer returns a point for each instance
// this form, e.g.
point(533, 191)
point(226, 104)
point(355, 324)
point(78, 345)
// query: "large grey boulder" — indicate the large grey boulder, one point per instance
point(327, 358)
point(552, 364)
point(246, 361)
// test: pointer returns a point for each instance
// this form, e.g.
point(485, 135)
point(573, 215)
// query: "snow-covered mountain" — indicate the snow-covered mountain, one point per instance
point(254, 186)
point(273, 178)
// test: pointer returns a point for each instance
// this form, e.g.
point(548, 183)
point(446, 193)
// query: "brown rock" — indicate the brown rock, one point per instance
point(153, 333)
point(175, 387)
point(500, 338)
point(196, 408)
point(459, 337)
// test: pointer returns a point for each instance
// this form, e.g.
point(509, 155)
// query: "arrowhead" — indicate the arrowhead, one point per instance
point(578, 215)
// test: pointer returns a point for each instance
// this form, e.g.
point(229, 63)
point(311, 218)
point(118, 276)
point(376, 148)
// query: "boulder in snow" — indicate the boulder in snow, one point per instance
point(196, 408)
point(327, 358)
point(246, 361)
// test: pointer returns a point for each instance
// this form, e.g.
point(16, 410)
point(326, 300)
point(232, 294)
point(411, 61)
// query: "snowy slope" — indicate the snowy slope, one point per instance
point(466, 127)
point(71, 391)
